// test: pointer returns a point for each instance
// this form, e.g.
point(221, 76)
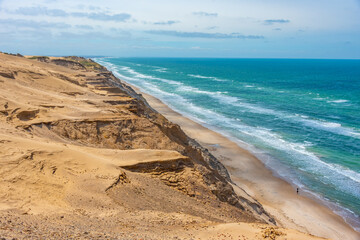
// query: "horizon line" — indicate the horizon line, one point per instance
point(103, 56)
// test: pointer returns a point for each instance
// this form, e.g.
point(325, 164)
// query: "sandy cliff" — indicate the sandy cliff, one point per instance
point(84, 156)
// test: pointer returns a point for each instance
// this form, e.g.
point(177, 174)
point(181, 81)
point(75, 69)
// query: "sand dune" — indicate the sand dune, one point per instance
point(82, 155)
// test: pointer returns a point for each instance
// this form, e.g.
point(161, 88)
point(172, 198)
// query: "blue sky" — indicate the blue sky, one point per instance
point(182, 28)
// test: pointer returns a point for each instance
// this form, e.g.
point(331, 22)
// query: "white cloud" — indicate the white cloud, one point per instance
point(184, 21)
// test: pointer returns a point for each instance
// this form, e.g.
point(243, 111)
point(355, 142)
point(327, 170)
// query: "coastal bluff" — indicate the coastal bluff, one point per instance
point(83, 156)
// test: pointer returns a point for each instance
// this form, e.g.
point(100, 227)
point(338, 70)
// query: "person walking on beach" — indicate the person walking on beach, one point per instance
point(297, 190)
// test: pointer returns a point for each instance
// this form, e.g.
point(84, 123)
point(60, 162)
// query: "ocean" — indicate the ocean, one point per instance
point(300, 117)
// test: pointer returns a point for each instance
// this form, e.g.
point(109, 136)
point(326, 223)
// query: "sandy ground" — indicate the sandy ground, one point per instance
point(84, 158)
point(291, 210)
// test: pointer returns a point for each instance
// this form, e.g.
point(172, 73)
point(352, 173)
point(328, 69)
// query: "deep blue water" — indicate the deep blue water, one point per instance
point(303, 116)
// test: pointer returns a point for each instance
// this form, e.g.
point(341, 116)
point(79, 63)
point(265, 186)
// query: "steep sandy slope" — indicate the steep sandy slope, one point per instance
point(83, 155)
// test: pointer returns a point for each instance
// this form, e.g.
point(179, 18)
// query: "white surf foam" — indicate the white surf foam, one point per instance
point(205, 77)
point(160, 69)
point(331, 101)
point(338, 101)
point(144, 76)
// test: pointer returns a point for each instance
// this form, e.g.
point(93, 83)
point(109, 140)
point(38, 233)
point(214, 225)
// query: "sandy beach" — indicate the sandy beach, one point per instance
point(83, 156)
point(279, 198)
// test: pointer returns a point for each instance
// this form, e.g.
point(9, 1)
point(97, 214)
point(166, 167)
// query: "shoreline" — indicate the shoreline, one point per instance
point(297, 211)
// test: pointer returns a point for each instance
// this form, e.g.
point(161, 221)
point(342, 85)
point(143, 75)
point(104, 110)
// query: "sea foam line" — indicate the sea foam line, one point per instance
point(338, 101)
point(204, 77)
point(160, 69)
point(143, 76)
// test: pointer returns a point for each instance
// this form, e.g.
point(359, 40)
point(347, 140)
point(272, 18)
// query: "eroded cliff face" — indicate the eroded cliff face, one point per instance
point(82, 139)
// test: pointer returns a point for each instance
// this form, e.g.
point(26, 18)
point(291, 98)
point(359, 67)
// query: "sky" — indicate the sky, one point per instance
point(182, 28)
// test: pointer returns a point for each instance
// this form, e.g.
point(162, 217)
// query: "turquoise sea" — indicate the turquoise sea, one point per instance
point(300, 117)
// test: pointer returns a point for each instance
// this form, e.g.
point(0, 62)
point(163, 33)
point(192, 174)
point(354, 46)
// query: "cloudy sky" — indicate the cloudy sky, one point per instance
point(182, 28)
